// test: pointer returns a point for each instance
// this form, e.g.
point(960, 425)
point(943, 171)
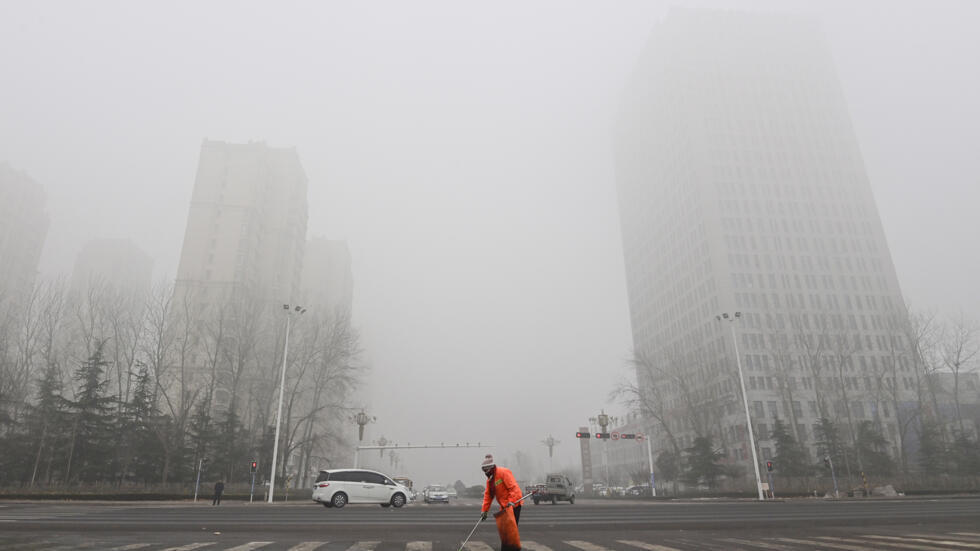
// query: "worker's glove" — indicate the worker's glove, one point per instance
point(483, 516)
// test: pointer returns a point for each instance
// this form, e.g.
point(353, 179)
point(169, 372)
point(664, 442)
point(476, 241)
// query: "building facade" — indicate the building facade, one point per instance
point(742, 189)
point(246, 228)
point(24, 226)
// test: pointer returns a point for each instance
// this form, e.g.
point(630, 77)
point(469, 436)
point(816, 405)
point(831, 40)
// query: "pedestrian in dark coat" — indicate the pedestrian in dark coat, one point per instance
point(219, 487)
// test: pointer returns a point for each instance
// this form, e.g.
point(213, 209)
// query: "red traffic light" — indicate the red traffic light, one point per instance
point(255, 465)
point(602, 435)
point(769, 466)
point(582, 435)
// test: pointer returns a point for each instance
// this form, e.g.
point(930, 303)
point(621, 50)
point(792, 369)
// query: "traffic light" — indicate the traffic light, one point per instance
point(602, 435)
point(769, 466)
point(582, 435)
point(255, 465)
point(826, 461)
point(627, 436)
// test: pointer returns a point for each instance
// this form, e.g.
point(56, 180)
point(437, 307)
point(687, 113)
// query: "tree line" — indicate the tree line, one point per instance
point(104, 386)
point(919, 429)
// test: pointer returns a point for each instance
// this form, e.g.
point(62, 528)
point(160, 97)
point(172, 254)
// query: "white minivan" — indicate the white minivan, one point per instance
point(338, 487)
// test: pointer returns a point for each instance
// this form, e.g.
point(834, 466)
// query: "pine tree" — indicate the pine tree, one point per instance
point(93, 426)
point(873, 448)
point(140, 451)
point(790, 459)
point(965, 454)
point(46, 423)
point(828, 441)
point(932, 454)
point(702, 462)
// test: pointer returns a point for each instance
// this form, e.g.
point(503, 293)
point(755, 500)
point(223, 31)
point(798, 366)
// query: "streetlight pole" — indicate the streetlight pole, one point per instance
point(282, 387)
point(745, 399)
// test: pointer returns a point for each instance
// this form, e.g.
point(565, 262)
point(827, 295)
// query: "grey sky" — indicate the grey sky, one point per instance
point(464, 151)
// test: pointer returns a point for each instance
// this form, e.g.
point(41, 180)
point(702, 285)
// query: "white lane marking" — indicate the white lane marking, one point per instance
point(820, 544)
point(534, 546)
point(647, 546)
point(249, 546)
point(966, 534)
point(928, 539)
point(364, 546)
point(418, 546)
point(190, 546)
point(894, 542)
point(891, 543)
point(307, 546)
point(129, 547)
point(478, 546)
point(761, 544)
point(586, 546)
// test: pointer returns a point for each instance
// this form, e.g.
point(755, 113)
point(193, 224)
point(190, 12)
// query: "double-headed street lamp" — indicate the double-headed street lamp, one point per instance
point(362, 419)
point(745, 399)
point(298, 311)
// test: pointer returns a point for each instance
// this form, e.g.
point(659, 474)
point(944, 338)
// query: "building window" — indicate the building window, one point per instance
point(759, 411)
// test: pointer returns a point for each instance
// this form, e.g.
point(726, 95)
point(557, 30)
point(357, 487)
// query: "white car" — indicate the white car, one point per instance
point(338, 487)
point(436, 493)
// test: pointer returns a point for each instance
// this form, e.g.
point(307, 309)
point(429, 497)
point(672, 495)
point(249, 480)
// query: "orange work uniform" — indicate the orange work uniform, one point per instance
point(502, 486)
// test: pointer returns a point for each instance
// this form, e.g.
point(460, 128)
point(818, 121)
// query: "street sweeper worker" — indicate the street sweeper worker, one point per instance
point(500, 484)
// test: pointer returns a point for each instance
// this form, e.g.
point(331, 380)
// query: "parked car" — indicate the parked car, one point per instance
point(436, 494)
point(451, 491)
point(338, 487)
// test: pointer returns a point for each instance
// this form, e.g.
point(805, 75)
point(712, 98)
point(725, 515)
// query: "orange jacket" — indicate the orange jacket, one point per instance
point(503, 487)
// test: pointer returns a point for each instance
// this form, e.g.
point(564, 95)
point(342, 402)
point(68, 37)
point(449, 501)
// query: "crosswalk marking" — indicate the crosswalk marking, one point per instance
point(534, 546)
point(840, 546)
point(418, 546)
point(129, 547)
point(891, 543)
point(478, 546)
point(586, 546)
point(190, 546)
point(928, 539)
point(760, 544)
point(364, 546)
point(307, 546)
point(647, 546)
point(249, 546)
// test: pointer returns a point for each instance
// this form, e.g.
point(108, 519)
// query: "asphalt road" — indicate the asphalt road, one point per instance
point(921, 524)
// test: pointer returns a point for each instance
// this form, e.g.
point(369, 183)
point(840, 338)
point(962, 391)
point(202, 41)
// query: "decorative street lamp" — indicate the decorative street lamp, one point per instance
point(745, 399)
point(362, 419)
point(382, 442)
point(551, 442)
point(298, 311)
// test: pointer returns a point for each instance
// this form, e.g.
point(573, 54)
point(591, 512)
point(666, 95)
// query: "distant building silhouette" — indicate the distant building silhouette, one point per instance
point(116, 263)
point(24, 226)
point(327, 283)
point(742, 188)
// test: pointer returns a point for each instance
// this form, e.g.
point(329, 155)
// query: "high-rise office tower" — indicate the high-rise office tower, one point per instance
point(742, 188)
point(23, 229)
point(116, 263)
point(247, 225)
